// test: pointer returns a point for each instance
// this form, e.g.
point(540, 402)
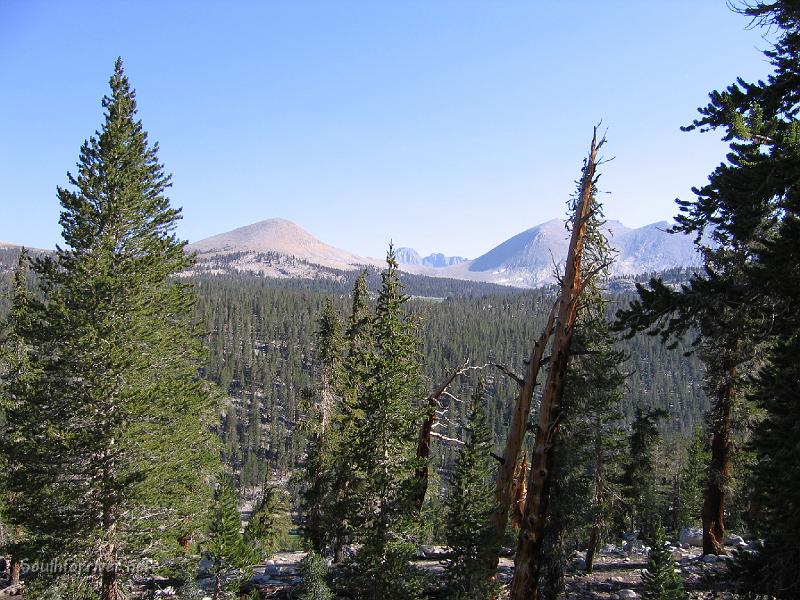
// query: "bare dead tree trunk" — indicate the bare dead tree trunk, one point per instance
point(424, 439)
point(504, 486)
point(719, 470)
point(520, 491)
point(527, 564)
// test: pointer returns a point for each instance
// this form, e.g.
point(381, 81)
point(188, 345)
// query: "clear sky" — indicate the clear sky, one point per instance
point(444, 125)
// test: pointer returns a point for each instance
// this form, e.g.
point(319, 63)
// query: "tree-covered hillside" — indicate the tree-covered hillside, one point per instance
point(260, 341)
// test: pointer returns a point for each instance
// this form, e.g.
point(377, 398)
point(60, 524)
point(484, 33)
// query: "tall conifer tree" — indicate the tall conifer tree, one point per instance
point(388, 411)
point(470, 506)
point(108, 450)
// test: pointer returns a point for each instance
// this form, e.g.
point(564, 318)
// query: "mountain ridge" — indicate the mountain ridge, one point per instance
point(280, 248)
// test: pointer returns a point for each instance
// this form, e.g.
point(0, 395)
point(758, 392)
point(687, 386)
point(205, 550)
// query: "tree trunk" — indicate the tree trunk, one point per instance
point(504, 486)
point(217, 586)
point(592, 549)
point(520, 492)
point(719, 469)
point(14, 571)
point(424, 439)
point(599, 499)
point(527, 564)
point(338, 553)
point(109, 588)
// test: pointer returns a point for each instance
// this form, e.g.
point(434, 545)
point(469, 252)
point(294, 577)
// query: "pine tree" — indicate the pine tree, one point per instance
point(107, 446)
point(268, 528)
point(586, 259)
point(470, 506)
point(16, 377)
point(318, 495)
point(588, 457)
point(692, 479)
point(227, 549)
point(314, 572)
point(384, 444)
point(660, 580)
point(342, 518)
point(639, 477)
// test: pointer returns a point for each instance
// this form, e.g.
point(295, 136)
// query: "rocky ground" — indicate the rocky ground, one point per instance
point(616, 575)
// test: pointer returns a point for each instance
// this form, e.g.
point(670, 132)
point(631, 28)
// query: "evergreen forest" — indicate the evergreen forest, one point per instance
point(167, 431)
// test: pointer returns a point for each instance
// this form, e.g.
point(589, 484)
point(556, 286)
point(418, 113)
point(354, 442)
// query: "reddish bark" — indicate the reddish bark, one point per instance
point(520, 491)
point(14, 568)
point(504, 486)
point(527, 564)
point(714, 501)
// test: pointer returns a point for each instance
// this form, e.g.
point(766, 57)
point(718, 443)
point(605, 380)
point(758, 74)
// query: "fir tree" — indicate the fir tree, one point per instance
point(268, 528)
point(16, 377)
point(384, 444)
point(660, 580)
point(318, 495)
point(692, 480)
point(107, 446)
point(639, 477)
point(314, 572)
point(588, 458)
point(470, 506)
point(230, 555)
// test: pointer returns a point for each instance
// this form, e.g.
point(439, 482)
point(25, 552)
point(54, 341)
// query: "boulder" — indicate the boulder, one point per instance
point(12, 591)
point(204, 566)
point(691, 536)
point(626, 595)
point(710, 558)
point(433, 552)
point(734, 540)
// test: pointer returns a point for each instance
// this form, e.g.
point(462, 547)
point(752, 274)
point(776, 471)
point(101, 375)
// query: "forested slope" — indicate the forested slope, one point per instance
point(260, 340)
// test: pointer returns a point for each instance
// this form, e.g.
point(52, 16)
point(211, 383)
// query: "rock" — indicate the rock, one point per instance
point(626, 595)
point(506, 552)
point(204, 566)
point(610, 549)
point(734, 540)
point(206, 583)
point(12, 591)
point(504, 577)
point(261, 579)
point(691, 536)
point(710, 559)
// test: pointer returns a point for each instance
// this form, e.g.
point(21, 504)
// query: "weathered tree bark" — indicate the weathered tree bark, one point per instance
point(719, 470)
point(520, 492)
point(14, 568)
point(527, 564)
point(109, 588)
point(424, 439)
point(504, 486)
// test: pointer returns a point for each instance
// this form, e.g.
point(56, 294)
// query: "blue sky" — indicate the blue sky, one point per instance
point(444, 125)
